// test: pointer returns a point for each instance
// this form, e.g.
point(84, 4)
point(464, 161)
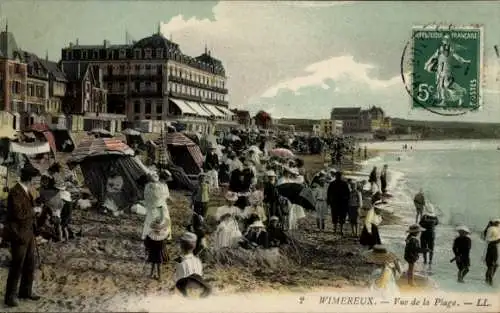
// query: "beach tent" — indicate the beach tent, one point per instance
point(184, 152)
point(98, 158)
point(58, 137)
point(133, 137)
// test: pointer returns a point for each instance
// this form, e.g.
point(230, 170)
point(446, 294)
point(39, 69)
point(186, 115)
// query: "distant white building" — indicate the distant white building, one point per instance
point(329, 128)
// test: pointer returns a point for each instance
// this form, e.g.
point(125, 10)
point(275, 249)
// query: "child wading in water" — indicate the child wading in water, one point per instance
point(461, 249)
point(412, 249)
point(155, 243)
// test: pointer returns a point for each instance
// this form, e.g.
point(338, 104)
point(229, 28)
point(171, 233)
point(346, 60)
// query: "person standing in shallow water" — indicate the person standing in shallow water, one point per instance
point(419, 202)
point(373, 180)
point(429, 222)
point(383, 179)
point(412, 250)
point(492, 238)
point(461, 249)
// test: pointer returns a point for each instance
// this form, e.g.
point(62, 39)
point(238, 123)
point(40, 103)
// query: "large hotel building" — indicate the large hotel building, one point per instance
point(149, 80)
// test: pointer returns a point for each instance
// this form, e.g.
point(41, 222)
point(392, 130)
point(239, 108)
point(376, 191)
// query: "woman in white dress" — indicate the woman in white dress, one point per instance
point(383, 280)
point(156, 194)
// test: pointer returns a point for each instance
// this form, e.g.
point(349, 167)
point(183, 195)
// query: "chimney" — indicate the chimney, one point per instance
point(46, 55)
point(71, 45)
point(208, 52)
point(6, 26)
point(77, 41)
point(105, 43)
point(206, 49)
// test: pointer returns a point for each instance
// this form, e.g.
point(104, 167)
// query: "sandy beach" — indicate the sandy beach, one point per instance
point(108, 259)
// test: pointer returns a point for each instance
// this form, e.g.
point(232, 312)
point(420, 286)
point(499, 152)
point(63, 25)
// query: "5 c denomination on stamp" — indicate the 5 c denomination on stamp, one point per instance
point(445, 68)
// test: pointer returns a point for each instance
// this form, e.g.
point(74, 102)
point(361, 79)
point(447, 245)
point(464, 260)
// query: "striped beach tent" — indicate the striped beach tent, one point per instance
point(99, 146)
point(184, 152)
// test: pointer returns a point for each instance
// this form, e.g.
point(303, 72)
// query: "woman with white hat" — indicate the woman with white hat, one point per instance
point(156, 195)
point(491, 258)
point(461, 250)
point(383, 279)
point(256, 234)
point(228, 232)
point(255, 207)
point(188, 266)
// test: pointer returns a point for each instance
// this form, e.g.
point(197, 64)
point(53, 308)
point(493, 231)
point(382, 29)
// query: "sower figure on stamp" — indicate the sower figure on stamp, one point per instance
point(441, 63)
point(20, 234)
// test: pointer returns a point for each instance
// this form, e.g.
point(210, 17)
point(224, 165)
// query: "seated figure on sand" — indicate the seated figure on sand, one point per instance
point(383, 280)
point(228, 232)
point(255, 207)
point(113, 200)
point(189, 269)
point(276, 235)
point(256, 234)
point(156, 195)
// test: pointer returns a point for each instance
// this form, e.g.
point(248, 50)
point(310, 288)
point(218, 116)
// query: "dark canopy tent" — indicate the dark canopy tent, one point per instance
point(96, 172)
point(184, 153)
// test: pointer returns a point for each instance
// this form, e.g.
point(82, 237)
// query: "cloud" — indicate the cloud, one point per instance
point(336, 68)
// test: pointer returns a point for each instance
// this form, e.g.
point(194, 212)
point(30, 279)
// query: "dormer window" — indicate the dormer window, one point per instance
point(137, 53)
point(159, 53)
point(123, 54)
point(147, 53)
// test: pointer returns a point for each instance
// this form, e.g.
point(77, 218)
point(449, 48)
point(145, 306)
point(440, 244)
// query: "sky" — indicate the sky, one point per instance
point(291, 59)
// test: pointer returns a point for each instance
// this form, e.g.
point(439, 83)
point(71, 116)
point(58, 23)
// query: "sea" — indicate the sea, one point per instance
point(461, 180)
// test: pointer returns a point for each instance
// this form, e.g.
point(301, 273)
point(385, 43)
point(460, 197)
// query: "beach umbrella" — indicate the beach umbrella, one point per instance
point(282, 153)
point(100, 132)
point(131, 132)
point(298, 194)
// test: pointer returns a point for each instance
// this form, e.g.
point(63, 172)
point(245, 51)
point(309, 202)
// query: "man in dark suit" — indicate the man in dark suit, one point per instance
point(338, 199)
point(20, 234)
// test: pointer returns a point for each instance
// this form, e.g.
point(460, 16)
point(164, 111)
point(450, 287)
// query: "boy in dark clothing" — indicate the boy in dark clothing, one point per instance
point(412, 249)
point(276, 235)
point(429, 221)
point(461, 249)
point(338, 199)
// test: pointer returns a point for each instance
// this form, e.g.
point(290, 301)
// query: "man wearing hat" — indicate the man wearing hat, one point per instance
point(201, 196)
point(188, 267)
point(492, 238)
point(338, 199)
point(271, 196)
point(412, 250)
point(19, 229)
point(461, 250)
point(429, 222)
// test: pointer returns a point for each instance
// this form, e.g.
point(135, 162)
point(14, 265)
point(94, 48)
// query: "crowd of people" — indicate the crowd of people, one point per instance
point(261, 211)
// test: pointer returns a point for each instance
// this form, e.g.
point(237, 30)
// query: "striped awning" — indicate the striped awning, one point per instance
point(99, 146)
point(178, 139)
point(183, 106)
point(225, 110)
point(199, 109)
point(212, 110)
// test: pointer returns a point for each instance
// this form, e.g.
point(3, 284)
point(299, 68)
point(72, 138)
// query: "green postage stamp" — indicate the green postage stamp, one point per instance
point(446, 68)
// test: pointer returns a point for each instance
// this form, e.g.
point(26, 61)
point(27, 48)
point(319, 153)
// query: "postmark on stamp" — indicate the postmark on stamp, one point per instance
point(445, 65)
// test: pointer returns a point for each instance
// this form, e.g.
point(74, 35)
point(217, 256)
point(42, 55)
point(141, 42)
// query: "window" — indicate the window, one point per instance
point(159, 86)
point(175, 87)
point(110, 70)
point(110, 86)
point(159, 107)
point(147, 107)
point(170, 71)
point(159, 53)
point(147, 53)
point(122, 69)
point(148, 68)
point(70, 55)
point(109, 54)
point(84, 54)
point(17, 68)
point(159, 69)
point(170, 87)
point(137, 53)
point(184, 89)
point(137, 68)
point(137, 85)
point(123, 54)
point(122, 86)
point(148, 85)
point(137, 106)
point(96, 54)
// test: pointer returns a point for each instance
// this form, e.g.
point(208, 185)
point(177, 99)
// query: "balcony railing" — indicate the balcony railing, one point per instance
point(188, 82)
point(146, 93)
